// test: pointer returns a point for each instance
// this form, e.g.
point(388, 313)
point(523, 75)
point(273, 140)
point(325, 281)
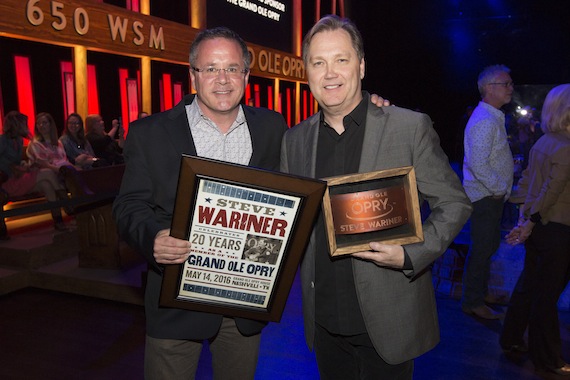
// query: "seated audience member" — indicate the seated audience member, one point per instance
point(45, 150)
point(544, 227)
point(103, 143)
point(18, 176)
point(77, 148)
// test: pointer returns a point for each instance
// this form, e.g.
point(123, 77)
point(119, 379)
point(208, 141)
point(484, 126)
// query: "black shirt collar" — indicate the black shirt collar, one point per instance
point(356, 116)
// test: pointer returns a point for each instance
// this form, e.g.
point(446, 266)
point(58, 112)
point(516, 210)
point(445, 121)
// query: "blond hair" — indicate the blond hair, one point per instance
point(556, 110)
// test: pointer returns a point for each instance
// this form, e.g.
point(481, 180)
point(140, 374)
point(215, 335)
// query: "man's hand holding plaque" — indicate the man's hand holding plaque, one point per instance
point(170, 250)
point(384, 255)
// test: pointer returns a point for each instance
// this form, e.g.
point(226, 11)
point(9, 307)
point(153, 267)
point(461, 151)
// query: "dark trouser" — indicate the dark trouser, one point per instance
point(518, 312)
point(551, 246)
point(535, 298)
point(485, 240)
point(354, 357)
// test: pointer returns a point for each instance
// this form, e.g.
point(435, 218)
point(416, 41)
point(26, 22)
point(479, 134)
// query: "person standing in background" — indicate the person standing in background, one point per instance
point(544, 227)
point(488, 170)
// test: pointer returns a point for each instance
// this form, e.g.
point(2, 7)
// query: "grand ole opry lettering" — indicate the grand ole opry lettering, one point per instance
point(367, 211)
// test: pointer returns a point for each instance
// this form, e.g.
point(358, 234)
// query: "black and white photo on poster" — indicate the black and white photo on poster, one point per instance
point(261, 249)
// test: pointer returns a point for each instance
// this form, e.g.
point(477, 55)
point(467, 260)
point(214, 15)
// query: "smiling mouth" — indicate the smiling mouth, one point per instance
point(332, 86)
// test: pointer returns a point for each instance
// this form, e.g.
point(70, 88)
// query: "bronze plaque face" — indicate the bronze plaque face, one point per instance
point(368, 211)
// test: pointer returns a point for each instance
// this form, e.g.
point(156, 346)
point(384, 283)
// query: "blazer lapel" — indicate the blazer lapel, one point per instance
point(257, 132)
point(178, 130)
point(310, 145)
point(304, 144)
point(376, 120)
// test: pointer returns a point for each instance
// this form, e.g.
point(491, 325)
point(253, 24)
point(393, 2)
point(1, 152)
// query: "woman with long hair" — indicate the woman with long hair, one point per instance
point(18, 175)
point(45, 150)
point(77, 148)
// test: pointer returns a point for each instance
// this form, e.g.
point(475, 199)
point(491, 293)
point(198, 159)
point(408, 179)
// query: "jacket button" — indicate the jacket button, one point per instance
point(312, 284)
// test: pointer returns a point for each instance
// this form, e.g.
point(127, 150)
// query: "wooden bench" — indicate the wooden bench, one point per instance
point(26, 204)
point(19, 205)
point(23, 205)
point(99, 241)
point(35, 202)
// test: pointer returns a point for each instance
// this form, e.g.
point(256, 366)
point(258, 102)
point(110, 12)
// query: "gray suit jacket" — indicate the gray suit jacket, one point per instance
point(398, 307)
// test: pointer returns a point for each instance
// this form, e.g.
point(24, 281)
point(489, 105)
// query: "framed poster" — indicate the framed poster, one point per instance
point(248, 229)
point(376, 206)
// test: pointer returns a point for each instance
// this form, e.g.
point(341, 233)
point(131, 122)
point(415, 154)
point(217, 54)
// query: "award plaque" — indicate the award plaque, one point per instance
point(248, 229)
point(378, 206)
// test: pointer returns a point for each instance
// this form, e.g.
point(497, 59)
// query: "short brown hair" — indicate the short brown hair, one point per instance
point(331, 23)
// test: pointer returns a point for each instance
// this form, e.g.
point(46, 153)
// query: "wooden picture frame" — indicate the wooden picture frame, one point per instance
point(248, 228)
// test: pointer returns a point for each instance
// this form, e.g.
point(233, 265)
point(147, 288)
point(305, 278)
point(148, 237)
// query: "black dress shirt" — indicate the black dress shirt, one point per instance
point(337, 308)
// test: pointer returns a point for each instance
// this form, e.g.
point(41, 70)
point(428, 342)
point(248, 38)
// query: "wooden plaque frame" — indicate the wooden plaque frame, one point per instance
point(409, 232)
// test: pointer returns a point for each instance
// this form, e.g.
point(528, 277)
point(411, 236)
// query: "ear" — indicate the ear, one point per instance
point(192, 79)
point(362, 68)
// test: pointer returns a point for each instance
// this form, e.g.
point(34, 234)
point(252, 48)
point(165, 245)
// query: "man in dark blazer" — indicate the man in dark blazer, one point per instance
point(143, 210)
point(369, 314)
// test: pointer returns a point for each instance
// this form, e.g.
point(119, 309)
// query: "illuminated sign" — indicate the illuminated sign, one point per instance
point(106, 28)
point(264, 22)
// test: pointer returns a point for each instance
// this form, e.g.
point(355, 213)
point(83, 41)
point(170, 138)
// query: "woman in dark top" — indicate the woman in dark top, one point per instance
point(103, 143)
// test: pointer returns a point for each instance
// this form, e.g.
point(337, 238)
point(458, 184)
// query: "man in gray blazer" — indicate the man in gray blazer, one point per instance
point(369, 314)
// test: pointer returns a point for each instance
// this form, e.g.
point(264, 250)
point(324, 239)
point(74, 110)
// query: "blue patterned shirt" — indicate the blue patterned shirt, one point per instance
point(488, 166)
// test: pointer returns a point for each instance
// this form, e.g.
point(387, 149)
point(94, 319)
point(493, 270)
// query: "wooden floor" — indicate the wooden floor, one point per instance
point(89, 324)
point(52, 335)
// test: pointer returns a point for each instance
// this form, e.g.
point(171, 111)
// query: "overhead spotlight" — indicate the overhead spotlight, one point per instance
point(523, 111)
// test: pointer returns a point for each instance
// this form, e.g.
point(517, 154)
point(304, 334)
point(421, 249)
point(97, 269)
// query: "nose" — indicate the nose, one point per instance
point(222, 76)
point(330, 72)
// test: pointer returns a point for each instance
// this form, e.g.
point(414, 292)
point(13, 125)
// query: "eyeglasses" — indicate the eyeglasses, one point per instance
point(504, 84)
point(212, 72)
